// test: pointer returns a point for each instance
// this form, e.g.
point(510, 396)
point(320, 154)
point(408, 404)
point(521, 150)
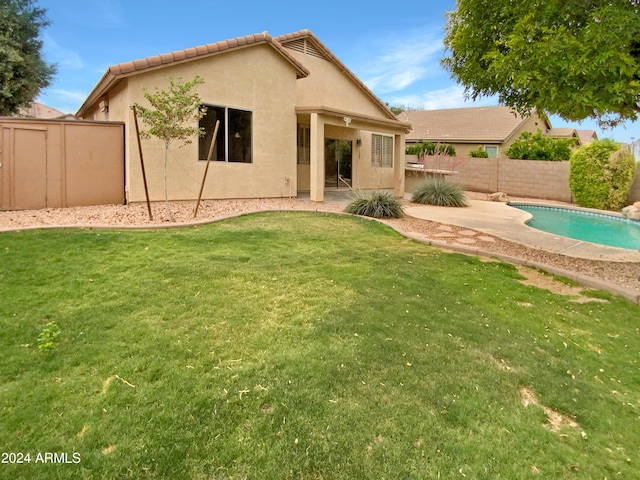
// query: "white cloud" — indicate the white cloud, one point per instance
point(400, 62)
point(67, 101)
point(64, 57)
point(447, 97)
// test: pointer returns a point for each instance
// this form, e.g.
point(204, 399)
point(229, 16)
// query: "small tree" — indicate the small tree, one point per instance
point(422, 149)
point(171, 117)
point(601, 175)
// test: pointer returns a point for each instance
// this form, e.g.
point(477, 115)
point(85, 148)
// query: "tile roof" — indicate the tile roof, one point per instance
point(474, 124)
point(186, 54)
point(116, 72)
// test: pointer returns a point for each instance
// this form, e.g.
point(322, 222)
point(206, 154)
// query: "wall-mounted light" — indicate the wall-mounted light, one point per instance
point(346, 120)
point(359, 142)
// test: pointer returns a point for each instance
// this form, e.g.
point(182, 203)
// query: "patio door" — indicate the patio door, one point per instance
point(337, 163)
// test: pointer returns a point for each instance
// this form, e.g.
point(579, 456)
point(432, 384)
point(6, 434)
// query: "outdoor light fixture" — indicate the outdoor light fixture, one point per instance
point(359, 142)
point(347, 121)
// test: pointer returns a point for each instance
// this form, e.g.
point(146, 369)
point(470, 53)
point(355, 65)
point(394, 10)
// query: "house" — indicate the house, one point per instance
point(293, 118)
point(40, 110)
point(581, 137)
point(494, 128)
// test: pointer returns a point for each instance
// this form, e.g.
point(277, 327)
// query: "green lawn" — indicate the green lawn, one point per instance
point(303, 346)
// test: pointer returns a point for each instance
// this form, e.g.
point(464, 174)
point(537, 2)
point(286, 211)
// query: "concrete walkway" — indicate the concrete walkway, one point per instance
point(509, 223)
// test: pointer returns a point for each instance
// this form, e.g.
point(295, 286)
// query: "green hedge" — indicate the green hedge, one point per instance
point(601, 175)
point(536, 146)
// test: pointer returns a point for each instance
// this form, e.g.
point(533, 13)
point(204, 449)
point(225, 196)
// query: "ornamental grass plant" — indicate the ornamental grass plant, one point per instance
point(377, 205)
point(437, 191)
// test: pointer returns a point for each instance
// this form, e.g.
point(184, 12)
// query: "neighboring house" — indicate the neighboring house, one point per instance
point(40, 110)
point(293, 118)
point(587, 136)
point(494, 128)
point(582, 137)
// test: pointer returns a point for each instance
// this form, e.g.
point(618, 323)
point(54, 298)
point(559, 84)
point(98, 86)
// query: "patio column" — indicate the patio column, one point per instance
point(316, 189)
point(398, 166)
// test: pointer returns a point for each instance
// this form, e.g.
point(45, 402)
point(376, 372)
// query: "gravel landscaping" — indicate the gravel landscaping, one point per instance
point(622, 274)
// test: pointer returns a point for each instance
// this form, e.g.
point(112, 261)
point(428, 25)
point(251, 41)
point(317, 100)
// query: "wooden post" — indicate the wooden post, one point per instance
point(206, 169)
point(144, 175)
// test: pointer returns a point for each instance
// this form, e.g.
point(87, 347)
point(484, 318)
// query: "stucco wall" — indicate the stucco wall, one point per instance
point(328, 86)
point(256, 79)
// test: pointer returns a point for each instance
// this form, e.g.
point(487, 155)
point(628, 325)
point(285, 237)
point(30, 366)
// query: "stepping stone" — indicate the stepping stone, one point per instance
point(466, 241)
point(444, 235)
point(484, 238)
point(468, 233)
point(445, 227)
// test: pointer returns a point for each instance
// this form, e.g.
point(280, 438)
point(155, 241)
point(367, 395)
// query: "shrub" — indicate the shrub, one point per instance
point(479, 152)
point(601, 175)
point(376, 205)
point(441, 193)
point(536, 146)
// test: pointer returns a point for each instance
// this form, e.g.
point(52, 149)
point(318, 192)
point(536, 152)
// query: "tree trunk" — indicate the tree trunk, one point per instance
point(166, 194)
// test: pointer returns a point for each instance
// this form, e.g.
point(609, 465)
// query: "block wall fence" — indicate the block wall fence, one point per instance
point(520, 178)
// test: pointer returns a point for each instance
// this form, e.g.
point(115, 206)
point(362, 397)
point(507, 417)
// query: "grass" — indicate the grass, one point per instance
point(303, 346)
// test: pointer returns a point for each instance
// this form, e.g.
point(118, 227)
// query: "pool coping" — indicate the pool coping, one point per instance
point(510, 223)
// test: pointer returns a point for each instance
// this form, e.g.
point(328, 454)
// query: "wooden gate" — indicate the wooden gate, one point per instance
point(54, 163)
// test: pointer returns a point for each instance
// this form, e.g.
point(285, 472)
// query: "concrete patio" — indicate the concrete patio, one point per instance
point(509, 223)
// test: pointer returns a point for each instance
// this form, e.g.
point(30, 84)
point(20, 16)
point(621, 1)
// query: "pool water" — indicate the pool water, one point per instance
point(590, 227)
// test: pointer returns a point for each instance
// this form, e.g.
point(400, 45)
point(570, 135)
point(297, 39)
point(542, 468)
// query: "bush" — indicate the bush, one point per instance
point(376, 205)
point(441, 193)
point(601, 175)
point(479, 152)
point(530, 146)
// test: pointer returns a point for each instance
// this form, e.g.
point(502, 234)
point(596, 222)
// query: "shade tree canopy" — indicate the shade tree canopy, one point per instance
point(23, 71)
point(574, 58)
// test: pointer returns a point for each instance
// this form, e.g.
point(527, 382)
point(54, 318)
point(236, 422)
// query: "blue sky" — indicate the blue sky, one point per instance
point(396, 54)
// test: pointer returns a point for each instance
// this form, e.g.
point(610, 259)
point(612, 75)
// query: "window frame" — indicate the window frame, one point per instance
point(487, 147)
point(303, 144)
point(225, 133)
point(385, 149)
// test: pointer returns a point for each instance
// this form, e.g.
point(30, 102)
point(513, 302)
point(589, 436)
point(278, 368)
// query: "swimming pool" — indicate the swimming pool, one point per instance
point(585, 225)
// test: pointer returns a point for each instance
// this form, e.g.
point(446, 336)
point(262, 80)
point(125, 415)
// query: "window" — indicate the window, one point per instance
point(381, 151)
point(235, 135)
point(304, 145)
point(492, 151)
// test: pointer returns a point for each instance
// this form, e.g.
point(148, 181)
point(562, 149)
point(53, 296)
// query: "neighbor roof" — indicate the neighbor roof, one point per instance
point(563, 133)
point(464, 125)
point(40, 110)
point(116, 72)
point(587, 136)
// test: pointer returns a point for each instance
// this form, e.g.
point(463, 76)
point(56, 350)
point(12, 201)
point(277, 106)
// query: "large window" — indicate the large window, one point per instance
point(381, 151)
point(235, 135)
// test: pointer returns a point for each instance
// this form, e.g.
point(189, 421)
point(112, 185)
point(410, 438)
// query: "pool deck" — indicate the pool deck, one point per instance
point(509, 223)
